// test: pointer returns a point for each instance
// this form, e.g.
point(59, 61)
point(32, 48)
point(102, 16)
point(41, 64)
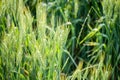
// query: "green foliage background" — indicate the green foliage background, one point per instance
point(59, 40)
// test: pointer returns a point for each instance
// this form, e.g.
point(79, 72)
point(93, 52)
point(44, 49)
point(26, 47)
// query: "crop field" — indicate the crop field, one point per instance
point(59, 39)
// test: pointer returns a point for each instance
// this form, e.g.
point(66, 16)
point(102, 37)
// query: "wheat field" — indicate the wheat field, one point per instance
point(59, 40)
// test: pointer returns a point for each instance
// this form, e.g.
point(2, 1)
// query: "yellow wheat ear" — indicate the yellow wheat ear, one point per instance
point(78, 70)
point(80, 66)
point(63, 76)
